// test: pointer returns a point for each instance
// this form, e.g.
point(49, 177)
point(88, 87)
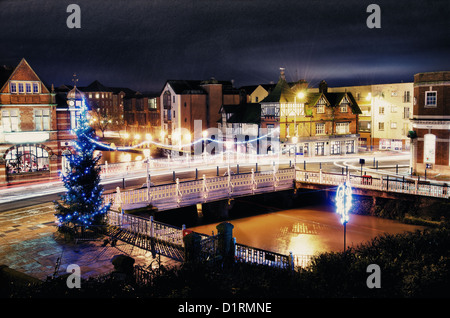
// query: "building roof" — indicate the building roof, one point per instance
point(96, 86)
point(336, 98)
point(182, 87)
point(75, 93)
point(243, 113)
point(281, 93)
point(195, 87)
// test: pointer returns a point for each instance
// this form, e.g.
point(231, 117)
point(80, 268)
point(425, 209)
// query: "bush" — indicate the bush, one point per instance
point(412, 264)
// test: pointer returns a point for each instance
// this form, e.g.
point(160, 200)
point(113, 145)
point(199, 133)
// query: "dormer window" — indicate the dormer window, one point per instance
point(23, 87)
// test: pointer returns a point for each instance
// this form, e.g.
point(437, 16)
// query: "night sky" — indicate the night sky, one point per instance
point(142, 43)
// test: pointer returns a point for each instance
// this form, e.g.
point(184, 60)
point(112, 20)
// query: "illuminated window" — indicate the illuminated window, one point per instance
point(27, 158)
point(320, 128)
point(28, 87)
point(320, 109)
point(380, 126)
point(20, 87)
point(10, 120)
point(342, 128)
point(42, 119)
point(35, 88)
point(393, 125)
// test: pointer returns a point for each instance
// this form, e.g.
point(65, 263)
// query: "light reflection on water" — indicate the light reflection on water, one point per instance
point(307, 231)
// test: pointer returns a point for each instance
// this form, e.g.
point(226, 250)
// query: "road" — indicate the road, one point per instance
point(36, 194)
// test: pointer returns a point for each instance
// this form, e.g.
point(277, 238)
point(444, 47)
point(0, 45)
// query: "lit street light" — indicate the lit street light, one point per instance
point(343, 204)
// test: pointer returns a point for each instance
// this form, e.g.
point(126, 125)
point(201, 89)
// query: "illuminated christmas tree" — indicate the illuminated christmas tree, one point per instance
point(82, 204)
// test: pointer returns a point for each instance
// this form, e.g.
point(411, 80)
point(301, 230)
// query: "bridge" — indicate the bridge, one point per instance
point(206, 190)
point(167, 240)
point(182, 194)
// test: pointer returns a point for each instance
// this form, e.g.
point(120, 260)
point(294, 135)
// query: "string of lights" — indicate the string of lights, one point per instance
point(188, 145)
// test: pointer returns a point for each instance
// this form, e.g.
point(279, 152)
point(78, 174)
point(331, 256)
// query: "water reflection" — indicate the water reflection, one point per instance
point(307, 231)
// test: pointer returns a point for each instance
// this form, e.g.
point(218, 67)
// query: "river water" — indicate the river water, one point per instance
point(306, 230)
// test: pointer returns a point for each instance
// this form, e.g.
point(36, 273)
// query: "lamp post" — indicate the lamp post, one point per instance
point(147, 159)
point(343, 205)
point(205, 135)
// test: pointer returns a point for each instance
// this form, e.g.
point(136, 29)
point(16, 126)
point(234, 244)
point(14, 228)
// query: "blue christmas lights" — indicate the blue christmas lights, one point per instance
point(82, 203)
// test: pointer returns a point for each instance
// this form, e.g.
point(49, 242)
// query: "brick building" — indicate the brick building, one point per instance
point(184, 101)
point(34, 131)
point(430, 136)
point(313, 123)
point(142, 115)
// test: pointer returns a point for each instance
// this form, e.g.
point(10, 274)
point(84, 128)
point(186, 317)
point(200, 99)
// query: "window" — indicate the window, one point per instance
point(381, 110)
point(343, 108)
point(27, 158)
point(393, 109)
point(335, 147)
point(349, 146)
point(42, 119)
point(319, 148)
point(405, 112)
point(364, 125)
point(97, 95)
point(152, 103)
point(406, 97)
point(430, 98)
point(10, 120)
point(270, 111)
point(393, 125)
point(23, 87)
point(320, 129)
point(256, 99)
point(320, 108)
point(173, 99)
point(342, 128)
point(380, 126)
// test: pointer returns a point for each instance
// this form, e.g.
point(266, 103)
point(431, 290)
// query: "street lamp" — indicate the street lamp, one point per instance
point(147, 159)
point(343, 204)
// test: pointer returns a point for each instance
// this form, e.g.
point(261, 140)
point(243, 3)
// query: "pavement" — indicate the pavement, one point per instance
point(30, 243)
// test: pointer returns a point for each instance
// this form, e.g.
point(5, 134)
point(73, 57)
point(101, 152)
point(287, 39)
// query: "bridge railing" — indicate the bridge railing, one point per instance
point(248, 254)
point(387, 183)
point(151, 228)
point(204, 190)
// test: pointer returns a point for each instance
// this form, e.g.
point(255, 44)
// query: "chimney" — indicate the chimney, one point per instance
point(323, 87)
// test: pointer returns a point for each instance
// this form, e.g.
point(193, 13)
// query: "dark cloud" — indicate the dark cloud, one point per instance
point(140, 44)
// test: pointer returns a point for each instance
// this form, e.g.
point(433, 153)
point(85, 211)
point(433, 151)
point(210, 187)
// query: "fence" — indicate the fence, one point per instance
point(124, 168)
point(387, 183)
point(174, 235)
point(148, 227)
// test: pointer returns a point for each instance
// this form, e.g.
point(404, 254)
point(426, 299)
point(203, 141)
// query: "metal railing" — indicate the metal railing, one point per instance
point(248, 254)
point(149, 227)
point(389, 184)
